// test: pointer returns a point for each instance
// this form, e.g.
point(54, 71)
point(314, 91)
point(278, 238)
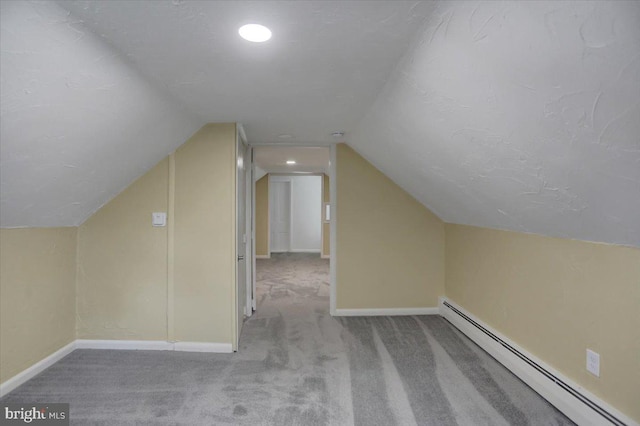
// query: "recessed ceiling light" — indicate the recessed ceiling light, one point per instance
point(337, 134)
point(291, 161)
point(255, 32)
point(285, 136)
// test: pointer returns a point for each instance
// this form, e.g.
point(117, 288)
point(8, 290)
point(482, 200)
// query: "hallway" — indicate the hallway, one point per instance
point(292, 284)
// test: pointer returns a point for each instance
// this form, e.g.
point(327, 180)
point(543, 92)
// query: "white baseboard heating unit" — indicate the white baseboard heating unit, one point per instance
point(575, 402)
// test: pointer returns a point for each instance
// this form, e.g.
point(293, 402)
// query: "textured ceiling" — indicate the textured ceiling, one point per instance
point(518, 115)
point(77, 123)
point(321, 70)
point(95, 93)
point(510, 115)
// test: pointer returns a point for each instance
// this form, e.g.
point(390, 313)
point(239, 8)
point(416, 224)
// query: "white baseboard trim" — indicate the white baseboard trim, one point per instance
point(574, 401)
point(263, 256)
point(304, 251)
point(140, 345)
point(203, 347)
point(385, 312)
point(325, 256)
point(35, 369)
point(129, 345)
point(155, 345)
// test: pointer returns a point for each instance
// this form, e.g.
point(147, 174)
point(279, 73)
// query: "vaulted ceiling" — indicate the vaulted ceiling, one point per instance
point(518, 115)
point(510, 115)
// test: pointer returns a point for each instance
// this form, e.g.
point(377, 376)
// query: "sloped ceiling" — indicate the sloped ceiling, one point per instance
point(94, 92)
point(77, 123)
point(518, 115)
point(321, 70)
point(509, 115)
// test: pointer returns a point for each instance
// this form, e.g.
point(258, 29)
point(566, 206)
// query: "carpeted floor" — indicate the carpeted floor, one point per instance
point(299, 366)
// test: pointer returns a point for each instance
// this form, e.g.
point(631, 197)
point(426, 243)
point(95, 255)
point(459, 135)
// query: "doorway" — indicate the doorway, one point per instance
point(292, 241)
point(279, 216)
point(295, 213)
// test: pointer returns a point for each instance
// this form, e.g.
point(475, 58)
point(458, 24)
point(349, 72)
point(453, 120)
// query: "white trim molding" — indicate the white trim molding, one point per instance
point(225, 348)
point(127, 345)
point(263, 256)
point(155, 345)
point(575, 402)
point(333, 229)
point(139, 345)
point(35, 369)
point(386, 312)
point(305, 251)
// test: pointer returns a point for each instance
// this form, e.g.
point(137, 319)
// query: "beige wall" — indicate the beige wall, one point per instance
point(390, 248)
point(326, 227)
point(205, 235)
point(122, 274)
point(37, 295)
point(140, 282)
point(555, 298)
point(262, 216)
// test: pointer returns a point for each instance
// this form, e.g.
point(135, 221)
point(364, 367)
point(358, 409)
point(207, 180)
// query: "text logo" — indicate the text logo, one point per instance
point(34, 414)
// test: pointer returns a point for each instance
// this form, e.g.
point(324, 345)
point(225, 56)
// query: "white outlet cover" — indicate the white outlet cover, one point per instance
point(593, 362)
point(159, 219)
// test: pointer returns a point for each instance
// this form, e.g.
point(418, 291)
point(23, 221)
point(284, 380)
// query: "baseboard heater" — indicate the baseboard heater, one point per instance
point(597, 408)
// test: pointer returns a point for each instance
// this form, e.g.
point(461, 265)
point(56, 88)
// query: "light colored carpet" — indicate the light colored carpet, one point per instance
point(299, 366)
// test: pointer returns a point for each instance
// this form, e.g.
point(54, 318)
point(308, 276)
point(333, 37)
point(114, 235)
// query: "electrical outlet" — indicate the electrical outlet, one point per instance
point(593, 362)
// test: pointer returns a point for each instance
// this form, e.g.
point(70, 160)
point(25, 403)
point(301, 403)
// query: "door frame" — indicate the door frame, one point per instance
point(252, 285)
point(333, 225)
point(333, 220)
point(236, 326)
point(249, 231)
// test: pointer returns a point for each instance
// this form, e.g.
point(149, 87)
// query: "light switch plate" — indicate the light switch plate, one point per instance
point(593, 362)
point(159, 219)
